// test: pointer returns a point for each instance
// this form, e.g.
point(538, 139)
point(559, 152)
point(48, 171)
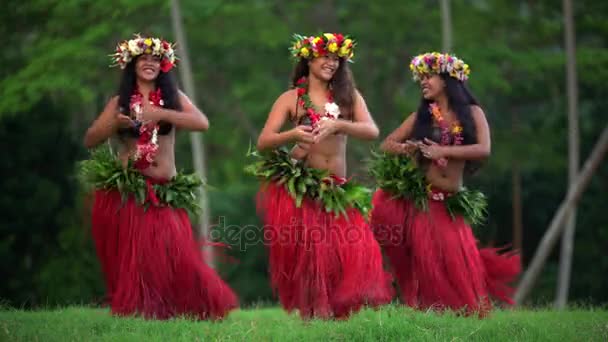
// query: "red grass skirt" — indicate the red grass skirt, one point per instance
point(152, 264)
point(436, 259)
point(320, 264)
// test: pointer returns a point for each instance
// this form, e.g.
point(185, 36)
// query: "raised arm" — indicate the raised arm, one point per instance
point(106, 124)
point(189, 118)
point(393, 143)
point(271, 135)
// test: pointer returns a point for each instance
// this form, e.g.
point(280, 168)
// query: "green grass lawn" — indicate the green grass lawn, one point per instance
point(272, 324)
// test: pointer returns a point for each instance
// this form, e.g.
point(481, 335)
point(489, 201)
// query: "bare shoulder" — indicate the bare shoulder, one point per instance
point(288, 96)
point(477, 112)
point(111, 106)
point(358, 97)
point(183, 97)
point(112, 102)
point(286, 102)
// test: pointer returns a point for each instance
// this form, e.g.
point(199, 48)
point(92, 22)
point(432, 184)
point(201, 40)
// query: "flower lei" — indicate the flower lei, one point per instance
point(322, 45)
point(435, 63)
point(128, 49)
point(447, 132)
point(147, 142)
point(332, 110)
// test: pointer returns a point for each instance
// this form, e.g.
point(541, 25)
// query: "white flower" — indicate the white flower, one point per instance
point(134, 47)
point(156, 46)
point(332, 109)
point(438, 196)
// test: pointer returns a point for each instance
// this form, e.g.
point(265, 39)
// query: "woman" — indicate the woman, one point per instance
point(422, 220)
point(324, 260)
point(151, 262)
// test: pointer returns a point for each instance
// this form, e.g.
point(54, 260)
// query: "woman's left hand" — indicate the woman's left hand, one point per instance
point(151, 113)
point(432, 150)
point(324, 129)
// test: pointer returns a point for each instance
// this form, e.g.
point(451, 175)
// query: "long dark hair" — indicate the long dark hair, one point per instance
point(460, 100)
point(164, 81)
point(342, 84)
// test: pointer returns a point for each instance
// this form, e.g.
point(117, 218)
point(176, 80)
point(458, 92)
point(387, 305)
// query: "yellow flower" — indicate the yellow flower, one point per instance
point(332, 47)
point(344, 51)
point(304, 52)
point(315, 53)
point(347, 42)
point(148, 50)
point(329, 36)
point(456, 129)
point(148, 41)
point(316, 40)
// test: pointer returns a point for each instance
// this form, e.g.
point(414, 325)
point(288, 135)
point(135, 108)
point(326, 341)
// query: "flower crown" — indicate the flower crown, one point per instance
point(322, 45)
point(435, 63)
point(129, 49)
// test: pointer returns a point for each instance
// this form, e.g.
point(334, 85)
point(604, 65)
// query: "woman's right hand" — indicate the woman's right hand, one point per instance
point(302, 134)
point(123, 121)
point(410, 147)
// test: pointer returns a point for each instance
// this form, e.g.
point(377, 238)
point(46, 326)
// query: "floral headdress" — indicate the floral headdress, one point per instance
point(129, 49)
point(435, 63)
point(322, 45)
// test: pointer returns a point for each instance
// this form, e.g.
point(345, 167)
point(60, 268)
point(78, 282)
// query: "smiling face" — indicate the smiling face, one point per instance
point(433, 86)
point(147, 67)
point(324, 68)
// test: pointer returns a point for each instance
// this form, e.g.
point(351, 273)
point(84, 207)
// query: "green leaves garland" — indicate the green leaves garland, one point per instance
point(399, 175)
point(104, 171)
point(300, 181)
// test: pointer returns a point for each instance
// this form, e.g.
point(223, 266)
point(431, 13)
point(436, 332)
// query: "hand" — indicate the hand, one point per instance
point(324, 129)
point(151, 113)
point(123, 121)
point(432, 150)
point(410, 146)
point(302, 134)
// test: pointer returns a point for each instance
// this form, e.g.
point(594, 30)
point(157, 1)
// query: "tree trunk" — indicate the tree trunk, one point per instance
point(198, 151)
point(565, 264)
point(446, 25)
point(557, 223)
point(516, 200)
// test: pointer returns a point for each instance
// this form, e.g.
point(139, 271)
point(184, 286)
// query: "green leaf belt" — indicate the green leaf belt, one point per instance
point(104, 171)
point(301, 181)
point(400, 176)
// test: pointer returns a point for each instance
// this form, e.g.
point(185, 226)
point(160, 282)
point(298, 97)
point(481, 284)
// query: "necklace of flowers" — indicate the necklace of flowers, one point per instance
point(147, 142)
point(447, 132)
point(332, 110)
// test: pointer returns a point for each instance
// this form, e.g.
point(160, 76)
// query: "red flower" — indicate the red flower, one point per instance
point(301, 91)
point(302, 80)
point(339, 38)
point(165, 65)
point(165, 45)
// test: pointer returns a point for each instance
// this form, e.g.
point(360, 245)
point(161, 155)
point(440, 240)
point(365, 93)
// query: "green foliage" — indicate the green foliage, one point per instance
point(55, 79)
point(104, 171)
point(390, 323)
point(399, 175)
point(301, 181)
